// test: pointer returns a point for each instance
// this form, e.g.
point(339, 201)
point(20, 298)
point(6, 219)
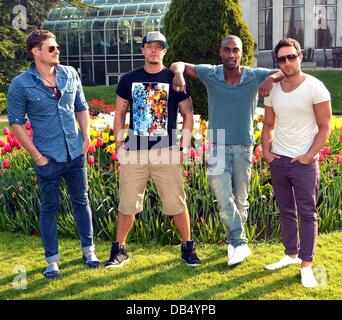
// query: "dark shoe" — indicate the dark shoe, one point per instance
point(189, 255)
point(118, 256)
point(91, 260)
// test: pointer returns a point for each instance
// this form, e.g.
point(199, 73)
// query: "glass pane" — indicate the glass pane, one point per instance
point(98, 42)
point(111, 43)
point(158, 8)
point(125, 66)
point(99, 68)
point(100, 2)
point(105, 11)
point(73, 43)
point(87, 73)
point(125, 41)
point(112, 67)
point(85, 38)
point(99, 24)
point(144, 8)
point(131, 9)
point(262, 3)
point(117, 10)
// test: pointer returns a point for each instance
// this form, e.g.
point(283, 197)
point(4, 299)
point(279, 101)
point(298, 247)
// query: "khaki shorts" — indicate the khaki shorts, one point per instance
point(163, 166)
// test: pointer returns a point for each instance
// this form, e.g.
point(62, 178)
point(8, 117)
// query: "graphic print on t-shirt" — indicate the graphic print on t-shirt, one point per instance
point(149, 107)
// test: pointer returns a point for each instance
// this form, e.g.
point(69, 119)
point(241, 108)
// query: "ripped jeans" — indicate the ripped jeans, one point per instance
point(229, 173)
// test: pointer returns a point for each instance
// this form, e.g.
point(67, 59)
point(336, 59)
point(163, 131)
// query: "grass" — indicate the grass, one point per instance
point(2, 126)
point(108, 94)
point(155, 272)
point(332, 80)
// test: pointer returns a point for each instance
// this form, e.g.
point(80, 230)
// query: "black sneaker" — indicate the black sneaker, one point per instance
point(118, 256)
point(189, 255)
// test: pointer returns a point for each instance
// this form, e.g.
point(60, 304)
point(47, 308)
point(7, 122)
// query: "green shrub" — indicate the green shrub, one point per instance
point(3, 103)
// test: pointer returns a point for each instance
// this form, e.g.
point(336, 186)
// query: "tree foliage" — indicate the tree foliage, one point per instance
point(13, 57)
point(194, 31)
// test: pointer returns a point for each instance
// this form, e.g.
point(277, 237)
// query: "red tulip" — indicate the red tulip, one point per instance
point(7, 148)
point(91, 149)
point(185, 173)
point(321, 156)
point(6, 164)
point(28, 125)
point(6, 131)
point(91, 160)
point(115, 156)
point(99, 142)
point(341, 137)
point(2, 144)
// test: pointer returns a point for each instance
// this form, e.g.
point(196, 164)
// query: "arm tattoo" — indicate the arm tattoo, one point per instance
point(186, 106)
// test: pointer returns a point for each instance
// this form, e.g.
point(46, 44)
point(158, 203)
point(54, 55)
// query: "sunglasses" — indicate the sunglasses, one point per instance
point(53, 48)
point(290, 57)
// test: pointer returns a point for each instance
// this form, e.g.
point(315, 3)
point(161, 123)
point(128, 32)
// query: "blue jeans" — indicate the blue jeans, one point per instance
point(49, 177)
point(229, 173)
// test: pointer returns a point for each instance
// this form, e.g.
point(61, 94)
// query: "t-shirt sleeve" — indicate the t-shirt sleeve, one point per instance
point(16, 104)
point(261, 74)
point(320, 92)
point(203, 71)
point(268, 101)
point(180, 96)
point(123, 89)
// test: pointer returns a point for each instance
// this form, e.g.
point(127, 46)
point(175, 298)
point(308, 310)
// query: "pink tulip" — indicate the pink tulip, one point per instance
point(341, 137)
point(7, 148)
point(192, 153)
point(99, 142)
point(6, 131)
point(91, 149)
point(258, 149)
point(2, 144)
point(115, 156)
point(321, 156)
point(205, 146)
point(200, 151)
point(91, 160)
point(28, 125)
point(185, 173)
point(6, 164)
point(340, 151)
point(338, 159)
point(326, 151)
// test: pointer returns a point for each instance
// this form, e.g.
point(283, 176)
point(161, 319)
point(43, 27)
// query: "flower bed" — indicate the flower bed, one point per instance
point(19, 196)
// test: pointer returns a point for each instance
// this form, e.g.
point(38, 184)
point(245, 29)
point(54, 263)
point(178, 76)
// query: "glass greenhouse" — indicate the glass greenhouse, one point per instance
point(104, 43)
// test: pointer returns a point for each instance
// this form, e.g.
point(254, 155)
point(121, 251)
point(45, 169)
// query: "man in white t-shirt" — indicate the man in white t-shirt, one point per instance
point(296, 126)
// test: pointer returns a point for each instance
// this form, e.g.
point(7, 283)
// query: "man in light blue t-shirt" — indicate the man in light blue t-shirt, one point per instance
point(232, 97)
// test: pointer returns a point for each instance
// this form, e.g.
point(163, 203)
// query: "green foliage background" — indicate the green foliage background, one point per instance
point(194, 31)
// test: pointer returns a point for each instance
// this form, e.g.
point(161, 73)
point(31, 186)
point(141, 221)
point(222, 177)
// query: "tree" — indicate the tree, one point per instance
point(13, 57)
point(194, 31)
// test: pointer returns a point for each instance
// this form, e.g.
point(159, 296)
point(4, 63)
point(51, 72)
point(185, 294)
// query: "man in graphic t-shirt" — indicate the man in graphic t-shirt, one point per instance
point(296, 126)
point(150, 149)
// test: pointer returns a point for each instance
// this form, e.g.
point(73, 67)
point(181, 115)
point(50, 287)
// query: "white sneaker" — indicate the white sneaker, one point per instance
point(284, 262)
point(240, 253)
point(308, 278)
point(230, 250)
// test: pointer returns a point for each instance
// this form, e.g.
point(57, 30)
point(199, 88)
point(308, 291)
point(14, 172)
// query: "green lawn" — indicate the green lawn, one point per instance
point(333, 80)
point(2, 126)
point(108, 94)
point(155, 272)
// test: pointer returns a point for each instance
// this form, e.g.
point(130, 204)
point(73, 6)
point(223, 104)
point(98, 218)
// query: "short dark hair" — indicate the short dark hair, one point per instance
point(35, 39)
point(287, 42)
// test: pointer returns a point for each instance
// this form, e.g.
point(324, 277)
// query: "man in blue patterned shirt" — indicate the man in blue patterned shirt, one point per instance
point(51, 96)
